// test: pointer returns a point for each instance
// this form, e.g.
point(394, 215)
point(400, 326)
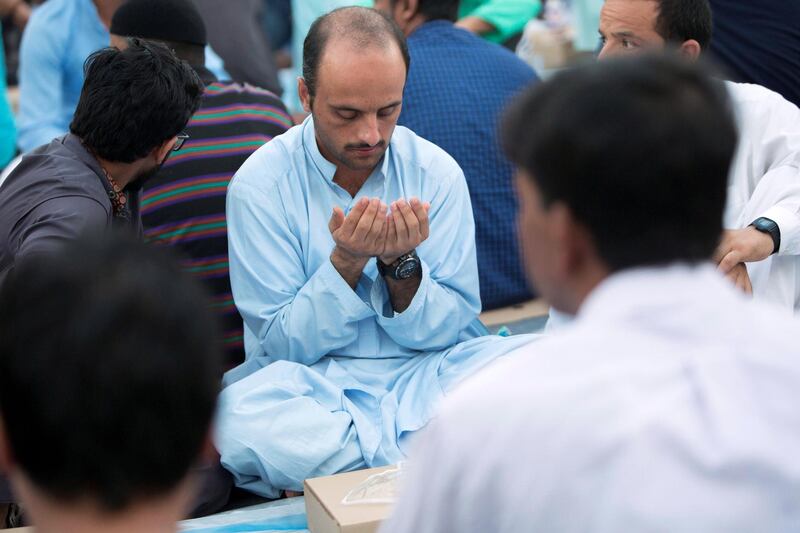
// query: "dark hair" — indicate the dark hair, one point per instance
point(681, 20)
point(638, 149)
point(436, 9)
point(134, 100)
point(364, 26)
point(109, 371)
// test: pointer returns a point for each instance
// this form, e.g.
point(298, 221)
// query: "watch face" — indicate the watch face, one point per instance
point(407, 268)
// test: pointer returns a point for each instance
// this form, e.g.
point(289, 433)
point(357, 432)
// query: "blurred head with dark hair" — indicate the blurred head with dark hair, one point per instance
point(633, 26)
point(622, 164)
point(134, 103)
point(410, 14)
point(109, 373)
point(355, 62)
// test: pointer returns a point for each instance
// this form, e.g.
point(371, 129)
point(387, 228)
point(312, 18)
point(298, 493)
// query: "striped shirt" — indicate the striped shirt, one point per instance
point(184, 205)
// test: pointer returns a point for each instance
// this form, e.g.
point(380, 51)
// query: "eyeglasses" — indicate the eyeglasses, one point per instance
point(179, 140)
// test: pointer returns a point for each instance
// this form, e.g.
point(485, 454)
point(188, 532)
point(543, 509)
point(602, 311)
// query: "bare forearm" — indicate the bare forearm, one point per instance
point(348, 266)
point(476, 25)
point(402, 292)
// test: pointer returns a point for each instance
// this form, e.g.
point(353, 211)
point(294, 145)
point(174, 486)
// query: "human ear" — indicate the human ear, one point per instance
point(305, 95)
point(690, 49)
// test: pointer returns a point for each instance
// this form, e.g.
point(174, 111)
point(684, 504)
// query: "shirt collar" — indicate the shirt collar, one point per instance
point(325, 167)
point(433, 26)
point(74, 144)
point(642, 290)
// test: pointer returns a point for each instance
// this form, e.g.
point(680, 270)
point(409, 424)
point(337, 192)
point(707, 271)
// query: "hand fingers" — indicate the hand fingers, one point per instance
point(399, 222)
point(352, 220)
point(422, 216)
point(337, 219)
point(720, 253)
point(391, 231)
point(747, 285)
point(365, 224)
point(729, 262)
point(411, 220)
point(378, 230)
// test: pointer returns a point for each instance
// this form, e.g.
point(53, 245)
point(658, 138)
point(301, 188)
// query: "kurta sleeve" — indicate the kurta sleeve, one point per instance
point(784, 184)
point(41, 86)
point(776, 148)
point(448, 298)
point(296, 315)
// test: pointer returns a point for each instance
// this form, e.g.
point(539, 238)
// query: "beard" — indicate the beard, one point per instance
point(345, 155)
point(142, 177)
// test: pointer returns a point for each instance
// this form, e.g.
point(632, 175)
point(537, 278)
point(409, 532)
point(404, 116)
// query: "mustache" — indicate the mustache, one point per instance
point(362, 146)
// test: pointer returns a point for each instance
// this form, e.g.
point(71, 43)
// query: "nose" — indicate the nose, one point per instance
point(369, 133)
point(604, 52)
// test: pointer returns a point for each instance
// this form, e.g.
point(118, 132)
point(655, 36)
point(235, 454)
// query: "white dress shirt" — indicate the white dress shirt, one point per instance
point(765, 182)
point(670, 404)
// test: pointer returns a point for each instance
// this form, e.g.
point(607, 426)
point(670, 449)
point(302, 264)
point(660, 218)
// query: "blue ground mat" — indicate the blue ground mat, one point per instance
point(284, 516)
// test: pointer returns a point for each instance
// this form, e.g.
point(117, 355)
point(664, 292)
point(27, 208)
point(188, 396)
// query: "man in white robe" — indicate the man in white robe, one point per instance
point(761, 250)
point(670, 403)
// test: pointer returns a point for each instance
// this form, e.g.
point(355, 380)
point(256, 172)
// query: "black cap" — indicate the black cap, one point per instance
point(163, 20)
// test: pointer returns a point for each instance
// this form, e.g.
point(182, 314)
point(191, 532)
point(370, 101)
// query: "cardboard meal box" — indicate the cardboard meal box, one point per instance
point(327, 514)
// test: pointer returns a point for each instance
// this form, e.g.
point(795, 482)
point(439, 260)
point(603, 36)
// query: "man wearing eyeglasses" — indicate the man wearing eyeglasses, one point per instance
point(133, 109)
point(183, 206)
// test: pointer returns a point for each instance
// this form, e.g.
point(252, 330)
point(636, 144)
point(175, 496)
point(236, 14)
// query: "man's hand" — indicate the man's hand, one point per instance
point(358, 237)
point(739, 277)
point(739, 246)
point(406, 228)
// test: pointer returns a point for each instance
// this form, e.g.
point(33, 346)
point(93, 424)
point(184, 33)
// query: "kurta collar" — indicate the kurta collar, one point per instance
point(648, 291)
point(325, 167)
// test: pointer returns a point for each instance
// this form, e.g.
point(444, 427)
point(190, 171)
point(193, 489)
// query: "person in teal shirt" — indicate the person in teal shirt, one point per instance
point(8, 132)
point(497, 20)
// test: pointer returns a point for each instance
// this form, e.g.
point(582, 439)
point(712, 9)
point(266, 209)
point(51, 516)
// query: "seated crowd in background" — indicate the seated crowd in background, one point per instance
point(348, 227)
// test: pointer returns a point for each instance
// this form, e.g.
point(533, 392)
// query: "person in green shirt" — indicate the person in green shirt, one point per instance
point(8, 132)
point(497, 20)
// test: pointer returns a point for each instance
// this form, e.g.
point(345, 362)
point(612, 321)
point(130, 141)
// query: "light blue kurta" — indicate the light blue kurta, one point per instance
point(59, 37)
point(334, 379)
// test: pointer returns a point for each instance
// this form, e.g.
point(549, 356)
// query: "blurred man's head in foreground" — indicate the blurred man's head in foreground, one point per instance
point(109, 373)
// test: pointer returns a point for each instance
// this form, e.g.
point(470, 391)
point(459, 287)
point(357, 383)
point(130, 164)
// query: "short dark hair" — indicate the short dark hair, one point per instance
point(365, 26)
point(109, 371)
point(436, 9)
point(134, 100)
point(638, 149)
point(681, 20)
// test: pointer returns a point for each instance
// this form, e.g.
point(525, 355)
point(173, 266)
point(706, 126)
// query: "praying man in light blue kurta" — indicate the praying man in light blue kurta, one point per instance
point(352, 260)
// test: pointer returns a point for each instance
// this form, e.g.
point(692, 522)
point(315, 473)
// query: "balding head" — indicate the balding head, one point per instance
point(361, 27)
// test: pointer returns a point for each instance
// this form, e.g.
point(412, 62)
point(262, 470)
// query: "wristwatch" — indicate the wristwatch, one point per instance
point(770, 227)
point(406, 266)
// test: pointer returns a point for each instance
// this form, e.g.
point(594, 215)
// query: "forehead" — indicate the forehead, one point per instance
point(633, 16)
point(349, 72)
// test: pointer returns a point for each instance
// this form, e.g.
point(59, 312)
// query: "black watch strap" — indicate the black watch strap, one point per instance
point(393, 270)
point(771, 228)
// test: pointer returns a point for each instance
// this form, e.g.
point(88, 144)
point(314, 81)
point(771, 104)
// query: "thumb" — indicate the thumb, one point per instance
point(337, 219)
